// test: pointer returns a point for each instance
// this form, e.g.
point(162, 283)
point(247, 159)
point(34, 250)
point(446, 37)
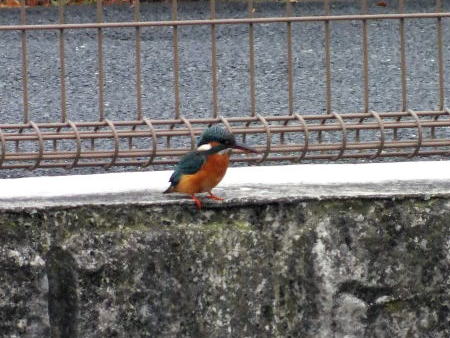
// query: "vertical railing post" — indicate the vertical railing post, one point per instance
point(403, 70)
point(403, 67)
point(290, 75)
point(440, 57)
point(251, 62)
point(101, 75)
point(289, 59)
point(365, 45)
point(176, 80)
point(215, 104)
point(327, 58)
point(137, 18)
point(23, 21)
point(62, 73)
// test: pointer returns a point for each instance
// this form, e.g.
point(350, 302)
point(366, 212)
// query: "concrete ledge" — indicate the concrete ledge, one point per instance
point(240, 185)
point(314, 251)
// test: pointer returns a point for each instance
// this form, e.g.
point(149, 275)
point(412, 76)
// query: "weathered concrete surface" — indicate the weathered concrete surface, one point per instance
point(315, 251)
point(291, 267)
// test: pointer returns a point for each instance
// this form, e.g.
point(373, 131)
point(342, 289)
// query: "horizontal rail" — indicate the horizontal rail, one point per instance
point(275, 118)
point(174, 132)
point(172, 23)
point(179, 152)
point(319, 137)
point(250, 159)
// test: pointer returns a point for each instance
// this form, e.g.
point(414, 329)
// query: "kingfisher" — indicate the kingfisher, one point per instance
point(201, 170)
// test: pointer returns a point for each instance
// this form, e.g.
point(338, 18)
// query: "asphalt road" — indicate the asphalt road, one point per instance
point(232, 58)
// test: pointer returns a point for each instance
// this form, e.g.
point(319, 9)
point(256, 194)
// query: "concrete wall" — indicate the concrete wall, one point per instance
point(332, 260)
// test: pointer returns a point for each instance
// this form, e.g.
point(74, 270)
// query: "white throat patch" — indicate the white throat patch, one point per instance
point(207, 146)
point(204, 147)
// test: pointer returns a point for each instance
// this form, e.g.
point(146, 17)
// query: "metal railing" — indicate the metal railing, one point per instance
point(143, 142)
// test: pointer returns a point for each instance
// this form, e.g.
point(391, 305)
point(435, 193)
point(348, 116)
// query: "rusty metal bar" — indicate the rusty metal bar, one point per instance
point(344, 141)
point(403, 68)
point(242, 119)
point(365, 48)
point(349, 147)
point(215, 104)
point(241, 130)
point(440, 56)
point(101, 75)
point(78, 152)
point(62, 73)
point(290, 71)
point(176, 62)
point(382, 135)
point(227, 21)
point(131, 163)
point(289, 59)
point(251, 60)
point(116, 145)
point(137, 18)
point(23, 20)
point(40, 154)
point(3, 147)
point(85, 135)
point(327, 58)
point(365, 45)
point(268, 138)
point(154, 149)
point(312, 117)
point(419, 133)
point(330, 147)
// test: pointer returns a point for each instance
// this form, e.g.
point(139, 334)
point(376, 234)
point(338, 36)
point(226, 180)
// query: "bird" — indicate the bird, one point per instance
point(199, 171)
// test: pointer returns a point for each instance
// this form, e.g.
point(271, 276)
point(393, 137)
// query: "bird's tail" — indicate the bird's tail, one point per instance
point(168, 190)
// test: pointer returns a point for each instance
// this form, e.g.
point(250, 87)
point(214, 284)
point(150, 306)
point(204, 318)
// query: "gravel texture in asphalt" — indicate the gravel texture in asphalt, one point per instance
point(232, 61)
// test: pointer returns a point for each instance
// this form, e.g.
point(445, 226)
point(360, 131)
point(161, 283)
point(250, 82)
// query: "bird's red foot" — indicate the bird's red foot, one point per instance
point(198, 204)
point(214, 197)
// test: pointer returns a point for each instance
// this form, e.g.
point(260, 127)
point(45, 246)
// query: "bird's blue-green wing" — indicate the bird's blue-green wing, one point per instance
point(189, 164)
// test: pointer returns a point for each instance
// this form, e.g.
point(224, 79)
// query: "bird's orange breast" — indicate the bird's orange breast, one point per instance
point(209, 175)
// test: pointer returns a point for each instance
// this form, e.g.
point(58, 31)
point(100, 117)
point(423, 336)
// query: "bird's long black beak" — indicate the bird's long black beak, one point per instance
point(244, 148)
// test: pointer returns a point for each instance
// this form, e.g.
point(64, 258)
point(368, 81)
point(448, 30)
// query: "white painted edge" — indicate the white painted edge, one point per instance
point(307, 174)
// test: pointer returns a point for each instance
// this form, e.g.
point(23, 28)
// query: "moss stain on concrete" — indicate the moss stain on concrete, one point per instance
point(274, 269)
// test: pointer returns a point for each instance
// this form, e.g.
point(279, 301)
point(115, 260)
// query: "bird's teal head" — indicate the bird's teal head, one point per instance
point(216, 136)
